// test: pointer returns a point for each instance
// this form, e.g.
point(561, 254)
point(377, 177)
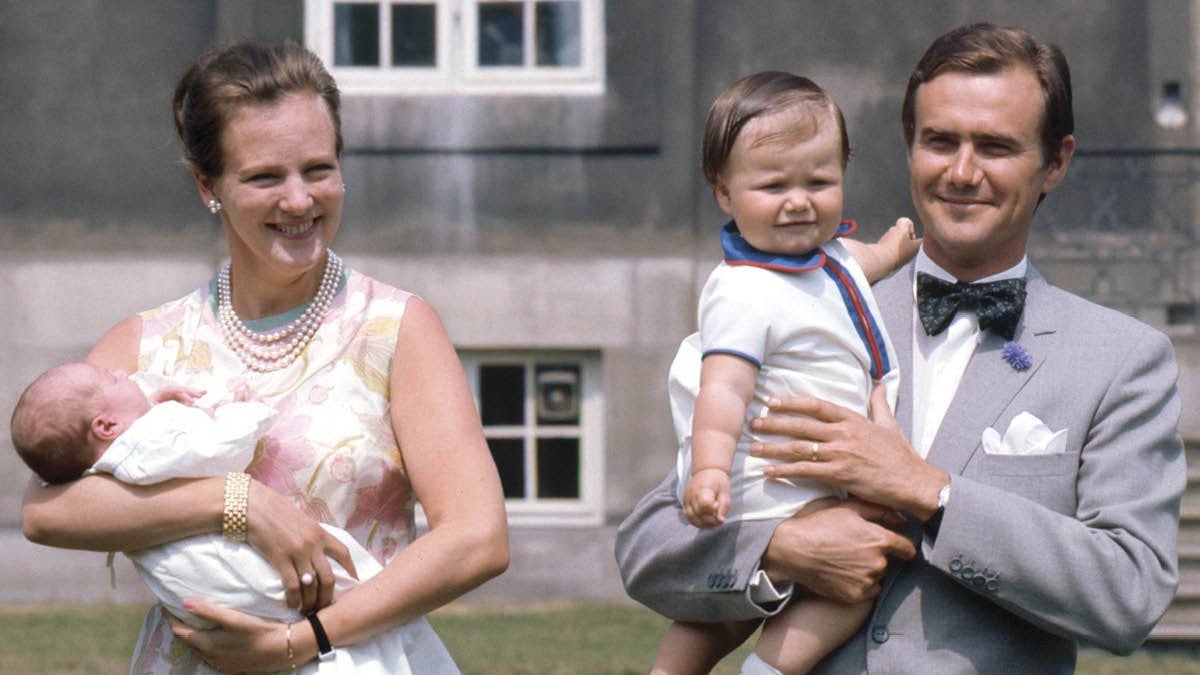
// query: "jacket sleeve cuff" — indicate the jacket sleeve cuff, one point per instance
point(768, 597)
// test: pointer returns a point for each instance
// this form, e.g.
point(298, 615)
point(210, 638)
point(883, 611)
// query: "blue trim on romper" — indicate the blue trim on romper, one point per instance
point(733, 352)
point(738, 251)
point(864, 322)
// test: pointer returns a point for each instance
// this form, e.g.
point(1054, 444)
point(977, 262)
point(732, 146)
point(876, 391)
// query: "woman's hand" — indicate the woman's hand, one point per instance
point(295, 545)
point(239, 643)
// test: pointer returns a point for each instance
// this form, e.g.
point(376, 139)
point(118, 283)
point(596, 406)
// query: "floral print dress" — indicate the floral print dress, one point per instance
point(331, 450)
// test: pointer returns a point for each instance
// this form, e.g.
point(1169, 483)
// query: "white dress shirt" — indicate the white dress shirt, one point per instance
point(939, 360)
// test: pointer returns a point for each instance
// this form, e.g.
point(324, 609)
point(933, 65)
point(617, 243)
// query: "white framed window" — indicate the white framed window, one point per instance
point(460, 46)
point(542, 415)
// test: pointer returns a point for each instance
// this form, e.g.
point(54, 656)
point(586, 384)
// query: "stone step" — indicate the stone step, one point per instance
point(1189, 536)
point(1189, 564)
point(1168, 630)
point(1182, 620)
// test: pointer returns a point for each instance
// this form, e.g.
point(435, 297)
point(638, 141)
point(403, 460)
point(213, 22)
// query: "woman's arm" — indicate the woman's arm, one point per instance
point(99, 513)
point(452, 473)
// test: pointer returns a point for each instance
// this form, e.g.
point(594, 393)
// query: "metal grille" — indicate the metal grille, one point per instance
point(1121, 229)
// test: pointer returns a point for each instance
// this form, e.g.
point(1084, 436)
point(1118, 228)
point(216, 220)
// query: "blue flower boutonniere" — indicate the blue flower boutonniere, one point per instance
point(1017, 356)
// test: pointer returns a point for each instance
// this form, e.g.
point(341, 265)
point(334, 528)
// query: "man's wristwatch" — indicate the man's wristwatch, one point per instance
point(935, 521)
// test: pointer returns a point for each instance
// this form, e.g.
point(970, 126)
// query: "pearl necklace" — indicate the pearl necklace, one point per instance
point(275, 349)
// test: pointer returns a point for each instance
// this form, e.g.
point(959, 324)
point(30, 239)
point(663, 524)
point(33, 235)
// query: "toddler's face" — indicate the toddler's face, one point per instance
point(783, 181)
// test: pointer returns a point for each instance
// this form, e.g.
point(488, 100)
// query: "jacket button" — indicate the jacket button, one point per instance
point(880, 634)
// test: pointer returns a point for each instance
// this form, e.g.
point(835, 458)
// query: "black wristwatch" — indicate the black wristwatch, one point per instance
point(324, 647)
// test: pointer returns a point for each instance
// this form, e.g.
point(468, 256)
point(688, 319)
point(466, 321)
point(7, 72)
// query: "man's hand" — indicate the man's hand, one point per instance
point(869, 458)
point(838, 550)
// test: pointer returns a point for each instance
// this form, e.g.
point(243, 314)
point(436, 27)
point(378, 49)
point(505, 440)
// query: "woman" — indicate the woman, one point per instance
point(373, 406)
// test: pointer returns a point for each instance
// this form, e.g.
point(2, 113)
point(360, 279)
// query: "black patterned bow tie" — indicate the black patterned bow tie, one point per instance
point(998, 303)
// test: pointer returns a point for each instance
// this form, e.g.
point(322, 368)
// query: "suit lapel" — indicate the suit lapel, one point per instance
point(894, 296)
point(990, 383)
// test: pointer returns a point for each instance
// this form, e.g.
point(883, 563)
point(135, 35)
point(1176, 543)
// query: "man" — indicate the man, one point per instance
point(1041, 490)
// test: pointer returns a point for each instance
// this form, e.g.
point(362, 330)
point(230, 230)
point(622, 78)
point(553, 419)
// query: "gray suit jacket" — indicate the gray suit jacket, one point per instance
point(1034, 553)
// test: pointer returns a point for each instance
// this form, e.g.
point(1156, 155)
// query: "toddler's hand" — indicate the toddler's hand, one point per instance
point(899, 243)
point(176, 392)
point(706, 498)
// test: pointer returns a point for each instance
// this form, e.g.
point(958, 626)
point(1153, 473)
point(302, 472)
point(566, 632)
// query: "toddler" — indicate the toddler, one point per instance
point(789, 312)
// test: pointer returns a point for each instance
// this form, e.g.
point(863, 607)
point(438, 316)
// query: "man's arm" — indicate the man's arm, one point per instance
point(689, 574)
point(1102, 567)
point(686, 573)
point(1107, 572)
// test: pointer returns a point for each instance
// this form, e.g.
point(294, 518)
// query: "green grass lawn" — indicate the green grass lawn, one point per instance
point(586, 639)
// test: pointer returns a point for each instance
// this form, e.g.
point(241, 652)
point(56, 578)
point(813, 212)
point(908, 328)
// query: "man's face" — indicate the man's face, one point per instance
point(977, 168)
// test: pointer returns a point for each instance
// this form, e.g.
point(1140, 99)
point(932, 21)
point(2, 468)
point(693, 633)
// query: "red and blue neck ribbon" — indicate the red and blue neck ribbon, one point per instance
point(738, 251)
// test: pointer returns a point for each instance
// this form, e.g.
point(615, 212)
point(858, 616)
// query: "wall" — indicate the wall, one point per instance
point(576, 222)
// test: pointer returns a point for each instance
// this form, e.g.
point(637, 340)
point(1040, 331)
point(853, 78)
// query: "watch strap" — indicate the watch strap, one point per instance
point(324, 647)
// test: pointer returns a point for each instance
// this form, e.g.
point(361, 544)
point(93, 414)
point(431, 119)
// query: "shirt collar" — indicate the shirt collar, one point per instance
point(924, 264)
point(738, 251)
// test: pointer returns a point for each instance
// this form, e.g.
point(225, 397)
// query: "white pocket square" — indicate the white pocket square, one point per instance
point(1026, 435)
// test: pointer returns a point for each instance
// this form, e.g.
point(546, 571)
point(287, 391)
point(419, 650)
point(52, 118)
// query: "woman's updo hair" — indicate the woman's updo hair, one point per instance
point(245, 73)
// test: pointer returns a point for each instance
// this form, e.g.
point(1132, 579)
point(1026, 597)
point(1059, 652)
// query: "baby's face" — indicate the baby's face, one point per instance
point(123, 398)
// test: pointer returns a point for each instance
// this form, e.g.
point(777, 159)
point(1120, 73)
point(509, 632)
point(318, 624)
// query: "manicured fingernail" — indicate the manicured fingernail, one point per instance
point(772, 402)
point(188, 604)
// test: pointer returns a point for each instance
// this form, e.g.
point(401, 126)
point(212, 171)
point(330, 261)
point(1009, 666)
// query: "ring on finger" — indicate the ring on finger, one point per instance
point(816, 449)
point(307, 579)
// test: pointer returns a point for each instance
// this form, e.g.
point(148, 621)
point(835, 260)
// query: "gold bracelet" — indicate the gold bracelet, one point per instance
point(290, 654)
point(237, 501)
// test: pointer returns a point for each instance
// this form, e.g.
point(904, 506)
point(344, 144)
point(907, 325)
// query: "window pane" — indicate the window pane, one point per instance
point(502, 394)
point(509, 455)
point(355, 34)
point(558, 468)
point(558, 31)
point(501, 34)
point(414, 35)
point(558, 393)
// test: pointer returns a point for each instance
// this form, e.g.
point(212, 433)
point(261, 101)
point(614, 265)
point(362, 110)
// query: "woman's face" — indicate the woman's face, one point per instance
point(281, 192)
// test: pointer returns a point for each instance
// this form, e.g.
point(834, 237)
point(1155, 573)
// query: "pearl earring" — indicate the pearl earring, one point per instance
point(214, 206)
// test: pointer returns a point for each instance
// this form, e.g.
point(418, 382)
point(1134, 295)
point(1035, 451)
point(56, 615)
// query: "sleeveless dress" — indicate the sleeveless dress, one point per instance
point(331, 449)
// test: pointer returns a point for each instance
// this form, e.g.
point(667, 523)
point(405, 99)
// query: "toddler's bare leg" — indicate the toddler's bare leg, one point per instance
point(696, 648)
point(807, 630)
